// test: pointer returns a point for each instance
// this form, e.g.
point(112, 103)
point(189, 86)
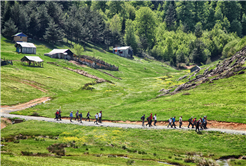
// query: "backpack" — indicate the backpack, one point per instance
point(189, 120)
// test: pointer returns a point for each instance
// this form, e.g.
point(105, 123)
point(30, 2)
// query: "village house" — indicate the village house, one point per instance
point(25, 48)
point(126, 51)
point(32, 61)
point(20, 37)
point(61, 54)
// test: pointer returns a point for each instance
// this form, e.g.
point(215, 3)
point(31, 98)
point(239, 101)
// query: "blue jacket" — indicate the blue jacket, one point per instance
point(71, 114)
point(173, 119)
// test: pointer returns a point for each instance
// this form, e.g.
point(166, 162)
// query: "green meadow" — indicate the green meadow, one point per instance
point(105, 145)
point(126, 99)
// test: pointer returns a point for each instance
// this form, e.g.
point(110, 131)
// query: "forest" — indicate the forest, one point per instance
point(176, 32)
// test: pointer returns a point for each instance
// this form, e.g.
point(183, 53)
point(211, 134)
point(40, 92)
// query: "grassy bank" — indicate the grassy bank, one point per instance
point(125, 99)
point(171, 146)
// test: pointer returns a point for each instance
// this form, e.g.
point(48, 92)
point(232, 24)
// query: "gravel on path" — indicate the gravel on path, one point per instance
point(120, 125)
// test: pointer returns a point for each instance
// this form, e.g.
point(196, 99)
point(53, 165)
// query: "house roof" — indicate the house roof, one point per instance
point(25, 44)
point(56, 51)
point(121, 48)
point(20, 34)
point(32, 58)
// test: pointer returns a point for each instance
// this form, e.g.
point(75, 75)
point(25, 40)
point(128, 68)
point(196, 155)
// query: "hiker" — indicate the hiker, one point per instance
point(201, 123)
point(143, 118)
point(100, 117)
point(155, 120)
point(194, 122)
point(190, 122)
point(197, 124)
point(205, 122)
point(96, 116)
point(71, 116)
point(80, 117)
point(88, 116)
point(173, 119)
point(77, 115)
point(149, 120)
point(59, 115)
point(170, 122)
point(180, 121)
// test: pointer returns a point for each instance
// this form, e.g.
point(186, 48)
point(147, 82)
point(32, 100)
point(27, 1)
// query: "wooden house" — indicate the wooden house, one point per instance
point(25, 48)
point(61, 54)
point(32, 61)
point(20, 37)
point(126, 51)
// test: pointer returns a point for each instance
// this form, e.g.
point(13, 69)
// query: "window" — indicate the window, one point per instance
point(21, 37)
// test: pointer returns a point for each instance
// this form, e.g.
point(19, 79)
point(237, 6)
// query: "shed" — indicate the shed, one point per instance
point(126, 51)
point(32, 60)
point(20, 37)
point(194, 68)
point(61, 54)
point(25, 48)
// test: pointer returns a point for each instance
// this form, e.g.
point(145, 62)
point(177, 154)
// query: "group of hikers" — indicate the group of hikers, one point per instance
point(79, 116)
point(202, 122)
point(198, 123)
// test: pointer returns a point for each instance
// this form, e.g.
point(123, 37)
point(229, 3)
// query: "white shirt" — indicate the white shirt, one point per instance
point(96, 116)
point(100, 115)
point(170, 120)
point(155, 118)
point(180, 119)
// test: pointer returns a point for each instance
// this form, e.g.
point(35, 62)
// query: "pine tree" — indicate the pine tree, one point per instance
point(130, 38)
point(44, 19)
point(9, 28)
point(244, 25)
point(236, 26)
point(53, 33)
point(171, 17)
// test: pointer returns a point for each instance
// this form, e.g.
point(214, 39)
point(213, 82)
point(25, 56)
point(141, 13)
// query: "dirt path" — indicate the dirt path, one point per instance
point(212, 125)
point(18, 107)
point(5, 122)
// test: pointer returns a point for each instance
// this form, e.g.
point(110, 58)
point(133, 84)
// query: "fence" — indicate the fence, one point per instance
point(95, 63)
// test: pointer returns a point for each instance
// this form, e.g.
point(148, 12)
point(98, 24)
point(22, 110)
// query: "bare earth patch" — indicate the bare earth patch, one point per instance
point(5, 122)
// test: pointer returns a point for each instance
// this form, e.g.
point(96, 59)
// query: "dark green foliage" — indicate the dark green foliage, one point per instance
point(198, 55)
point(171, 17)
point(9, 28)
point(53, 33)
point(236, 26)
point(198, 30)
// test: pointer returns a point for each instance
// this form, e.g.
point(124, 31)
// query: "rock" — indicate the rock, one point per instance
point(182, 77)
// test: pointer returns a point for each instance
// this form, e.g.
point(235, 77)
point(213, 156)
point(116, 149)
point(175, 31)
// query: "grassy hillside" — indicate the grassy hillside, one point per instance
point(94, 144)
point(125, 99)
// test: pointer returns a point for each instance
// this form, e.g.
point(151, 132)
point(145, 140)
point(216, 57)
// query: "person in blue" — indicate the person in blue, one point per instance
point(173, 119)
point(80, 117)
point(143, 118)
point(71, 116)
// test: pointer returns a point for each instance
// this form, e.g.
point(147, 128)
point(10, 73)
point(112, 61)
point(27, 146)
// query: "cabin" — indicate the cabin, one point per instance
point(32, 61)
point(25, 48)
point(194, 68)
point(126, 51)
point(20, 37)
point(61, 54)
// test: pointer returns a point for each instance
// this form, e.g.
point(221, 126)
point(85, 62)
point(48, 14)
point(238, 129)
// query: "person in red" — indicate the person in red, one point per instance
point(150, 120)
point(194, 122)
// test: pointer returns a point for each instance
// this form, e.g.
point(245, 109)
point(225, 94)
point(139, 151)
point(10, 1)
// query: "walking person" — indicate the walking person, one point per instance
point(201, 124)
point(96, 116)
point(190, 122)
point(205, 122)
point(155, 120)
point(80, 117)
point(194, 122)
point(77, 115)
point(88, 116)
point(149, 120)
point(143, 118)
point(59, 116)
point(170, 122)
point(173, 119)
point(71, 116)
point(180, 121)
point(197, 124)
point(100, 117)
